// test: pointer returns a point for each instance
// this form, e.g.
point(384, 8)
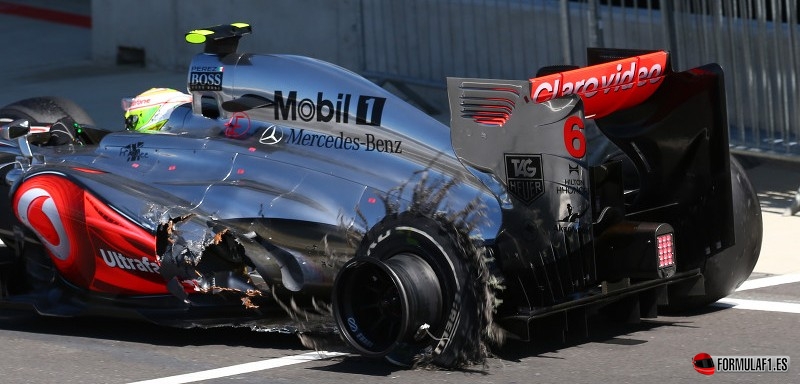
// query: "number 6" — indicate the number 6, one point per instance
point(574, 139)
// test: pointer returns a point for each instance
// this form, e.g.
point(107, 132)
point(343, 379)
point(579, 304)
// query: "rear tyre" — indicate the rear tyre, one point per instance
point(725, 271)
point(408, 297)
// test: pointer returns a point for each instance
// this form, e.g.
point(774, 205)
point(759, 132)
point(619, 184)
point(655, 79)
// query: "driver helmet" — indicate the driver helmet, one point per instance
point(150, 110)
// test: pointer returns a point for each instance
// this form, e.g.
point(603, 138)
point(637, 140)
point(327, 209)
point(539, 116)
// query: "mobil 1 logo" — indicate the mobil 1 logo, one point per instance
point(324, 108)
point(524, 178)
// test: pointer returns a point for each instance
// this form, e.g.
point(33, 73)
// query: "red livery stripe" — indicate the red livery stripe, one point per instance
point(39, 13)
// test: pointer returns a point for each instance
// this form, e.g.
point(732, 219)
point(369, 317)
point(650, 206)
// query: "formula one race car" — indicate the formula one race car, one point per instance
point(289, 190)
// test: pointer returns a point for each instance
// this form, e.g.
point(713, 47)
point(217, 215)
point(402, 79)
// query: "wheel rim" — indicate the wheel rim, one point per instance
point(381, 305)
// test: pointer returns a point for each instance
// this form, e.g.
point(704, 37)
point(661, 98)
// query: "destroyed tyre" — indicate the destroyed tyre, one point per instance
point(725, 271)
point(407, 295)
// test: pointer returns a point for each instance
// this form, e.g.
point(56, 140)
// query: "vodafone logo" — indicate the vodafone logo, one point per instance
point(140, 103)
point(37, 210)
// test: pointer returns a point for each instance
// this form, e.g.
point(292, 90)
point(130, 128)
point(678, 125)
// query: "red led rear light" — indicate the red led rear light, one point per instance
point(666, 250)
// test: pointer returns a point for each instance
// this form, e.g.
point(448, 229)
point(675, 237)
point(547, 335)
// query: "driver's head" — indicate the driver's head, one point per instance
point(149, 111)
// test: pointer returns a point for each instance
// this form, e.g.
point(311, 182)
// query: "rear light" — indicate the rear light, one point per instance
point(666, 250)
point(637, 250)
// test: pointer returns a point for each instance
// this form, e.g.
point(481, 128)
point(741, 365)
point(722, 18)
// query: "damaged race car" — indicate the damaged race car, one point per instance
point(289, 192)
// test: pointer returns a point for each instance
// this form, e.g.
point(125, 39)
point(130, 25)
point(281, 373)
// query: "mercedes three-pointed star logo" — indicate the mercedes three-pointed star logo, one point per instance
point(272, 135)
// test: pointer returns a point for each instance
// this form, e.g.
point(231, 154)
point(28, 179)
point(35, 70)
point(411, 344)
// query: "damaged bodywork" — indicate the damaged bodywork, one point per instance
point(293, 195)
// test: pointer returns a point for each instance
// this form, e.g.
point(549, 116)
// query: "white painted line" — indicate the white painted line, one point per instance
point(759, 305)
point(769, 281)
point(243, 368)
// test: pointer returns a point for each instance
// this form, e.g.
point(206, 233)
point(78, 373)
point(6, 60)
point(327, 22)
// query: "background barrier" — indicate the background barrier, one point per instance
point(420, 42)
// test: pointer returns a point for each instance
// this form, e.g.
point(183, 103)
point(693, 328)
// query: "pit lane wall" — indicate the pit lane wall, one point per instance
point(325, 29)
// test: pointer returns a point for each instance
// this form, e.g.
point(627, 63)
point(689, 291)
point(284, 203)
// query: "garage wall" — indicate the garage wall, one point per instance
point(328, 30)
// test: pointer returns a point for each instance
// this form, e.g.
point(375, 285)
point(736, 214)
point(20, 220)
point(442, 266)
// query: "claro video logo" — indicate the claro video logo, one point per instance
point(707, 365)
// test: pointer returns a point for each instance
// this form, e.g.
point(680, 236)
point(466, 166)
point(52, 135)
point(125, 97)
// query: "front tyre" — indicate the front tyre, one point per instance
point(60, 114)
point(408, 295)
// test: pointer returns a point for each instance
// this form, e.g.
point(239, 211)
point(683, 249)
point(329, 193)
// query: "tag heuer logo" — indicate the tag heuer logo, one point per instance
point(524, 177)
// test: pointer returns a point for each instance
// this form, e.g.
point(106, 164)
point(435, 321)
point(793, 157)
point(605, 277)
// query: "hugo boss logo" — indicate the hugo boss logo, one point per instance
point(205, 78)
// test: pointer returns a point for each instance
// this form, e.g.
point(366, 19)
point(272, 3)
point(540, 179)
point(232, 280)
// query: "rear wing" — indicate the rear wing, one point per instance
point(528, 139)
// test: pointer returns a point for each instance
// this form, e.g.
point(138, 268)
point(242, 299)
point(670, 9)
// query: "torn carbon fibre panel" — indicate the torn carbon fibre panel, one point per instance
point(198, 255)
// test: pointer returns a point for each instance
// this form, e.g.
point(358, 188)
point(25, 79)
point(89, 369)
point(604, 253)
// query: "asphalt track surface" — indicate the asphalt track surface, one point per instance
point(57, 350)
point(762, 320)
